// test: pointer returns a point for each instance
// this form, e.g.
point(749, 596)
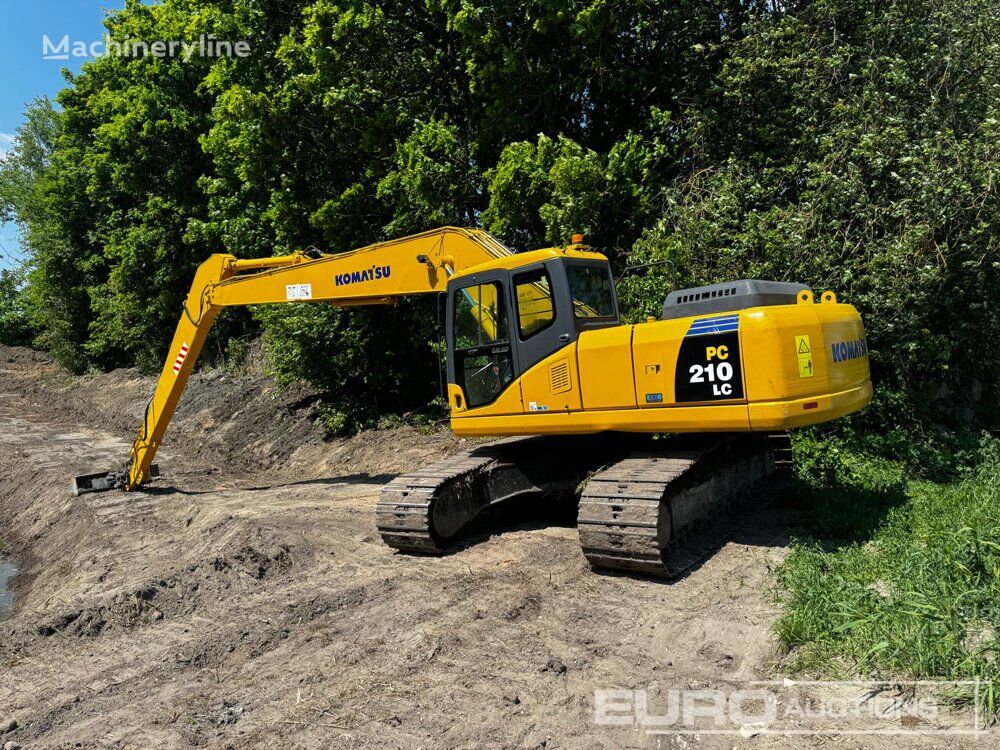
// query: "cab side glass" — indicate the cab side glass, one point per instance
point(535, 308)
point(479, 317)
point(591, 289)
point(482, 345)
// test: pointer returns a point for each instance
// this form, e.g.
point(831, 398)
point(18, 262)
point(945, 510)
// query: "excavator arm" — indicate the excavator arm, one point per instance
point(377, 274)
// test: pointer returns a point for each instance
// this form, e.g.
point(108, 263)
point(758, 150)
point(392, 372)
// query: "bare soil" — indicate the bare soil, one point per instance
point(247, 601)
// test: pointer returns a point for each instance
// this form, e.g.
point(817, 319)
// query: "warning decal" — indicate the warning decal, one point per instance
point(298, 291)
point(181, 356)
point(803, 350)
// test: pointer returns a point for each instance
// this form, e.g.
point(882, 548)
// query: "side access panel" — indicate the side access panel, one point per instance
point(607, 375)
point(552, 385)
point(694, 363)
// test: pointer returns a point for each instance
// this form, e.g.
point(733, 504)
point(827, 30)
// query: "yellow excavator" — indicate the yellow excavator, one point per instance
point(536, 347)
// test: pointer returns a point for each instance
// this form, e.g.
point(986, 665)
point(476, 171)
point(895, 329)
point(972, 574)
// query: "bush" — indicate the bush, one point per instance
point(895, 579)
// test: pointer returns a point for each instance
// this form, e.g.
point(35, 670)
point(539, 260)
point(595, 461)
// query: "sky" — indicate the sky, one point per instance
point(25, 75)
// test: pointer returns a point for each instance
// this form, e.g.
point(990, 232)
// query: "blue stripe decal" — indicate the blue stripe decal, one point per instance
point(722, 324)
point(714, 323)
point(718, 319)
point(713, 329)
point(710, 323)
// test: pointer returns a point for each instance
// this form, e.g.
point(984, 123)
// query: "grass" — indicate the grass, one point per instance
point(892, 578)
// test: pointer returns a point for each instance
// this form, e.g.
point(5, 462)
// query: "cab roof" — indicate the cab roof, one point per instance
point(519, 260)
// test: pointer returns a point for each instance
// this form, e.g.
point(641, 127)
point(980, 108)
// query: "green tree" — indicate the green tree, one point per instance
point(14, 327)
point(854, 147)
point(54, 303)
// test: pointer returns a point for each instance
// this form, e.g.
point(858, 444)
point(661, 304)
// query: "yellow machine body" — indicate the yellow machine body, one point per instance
point(798, 365)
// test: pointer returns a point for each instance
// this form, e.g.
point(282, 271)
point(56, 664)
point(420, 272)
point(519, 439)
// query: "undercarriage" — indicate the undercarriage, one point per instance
point(650, 506)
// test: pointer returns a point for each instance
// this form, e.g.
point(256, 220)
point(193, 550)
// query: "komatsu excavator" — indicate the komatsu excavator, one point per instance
point(536, 347)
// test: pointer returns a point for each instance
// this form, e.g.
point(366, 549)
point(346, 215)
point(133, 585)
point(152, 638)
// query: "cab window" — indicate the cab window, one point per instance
point(482, 344)
point(535, 309)
point(590, 287)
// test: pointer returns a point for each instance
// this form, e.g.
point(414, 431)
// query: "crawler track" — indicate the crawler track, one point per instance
point(660, 512)
point(425, 512)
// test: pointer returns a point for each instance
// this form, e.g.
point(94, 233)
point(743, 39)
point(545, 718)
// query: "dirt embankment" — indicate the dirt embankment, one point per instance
point(240, 425)
point(246, 600)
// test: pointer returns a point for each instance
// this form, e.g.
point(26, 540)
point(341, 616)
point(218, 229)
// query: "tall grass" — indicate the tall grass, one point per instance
point(891, 578)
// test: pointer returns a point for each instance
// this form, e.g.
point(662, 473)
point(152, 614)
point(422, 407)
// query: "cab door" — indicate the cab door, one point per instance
point(544, 336)
point(480, 352)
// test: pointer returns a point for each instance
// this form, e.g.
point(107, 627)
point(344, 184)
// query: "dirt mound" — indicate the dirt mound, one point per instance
point(172, 596)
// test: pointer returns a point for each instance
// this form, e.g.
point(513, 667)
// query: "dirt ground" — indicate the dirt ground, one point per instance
point(246, 600)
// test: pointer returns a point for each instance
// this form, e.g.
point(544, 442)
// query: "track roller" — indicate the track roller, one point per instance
point(426, 511)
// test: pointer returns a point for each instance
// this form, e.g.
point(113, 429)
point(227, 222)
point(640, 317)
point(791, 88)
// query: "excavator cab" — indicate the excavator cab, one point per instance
point(503, 320)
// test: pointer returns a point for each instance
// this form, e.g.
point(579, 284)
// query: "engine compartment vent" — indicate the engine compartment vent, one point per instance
point(559, 377)
point(729, 296)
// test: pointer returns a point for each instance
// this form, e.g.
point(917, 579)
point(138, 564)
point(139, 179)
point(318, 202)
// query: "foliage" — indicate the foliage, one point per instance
point(553, 188)
point(897, 579)
point(366, 374)
point(14, 327)
point(54, 303)
point(849, 145)
point(431, 182)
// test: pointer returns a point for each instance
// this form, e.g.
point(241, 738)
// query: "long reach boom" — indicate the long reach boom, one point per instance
point(418, 264)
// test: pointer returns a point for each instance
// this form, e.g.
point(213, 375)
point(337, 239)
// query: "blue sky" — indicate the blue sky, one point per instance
point(24, 75)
